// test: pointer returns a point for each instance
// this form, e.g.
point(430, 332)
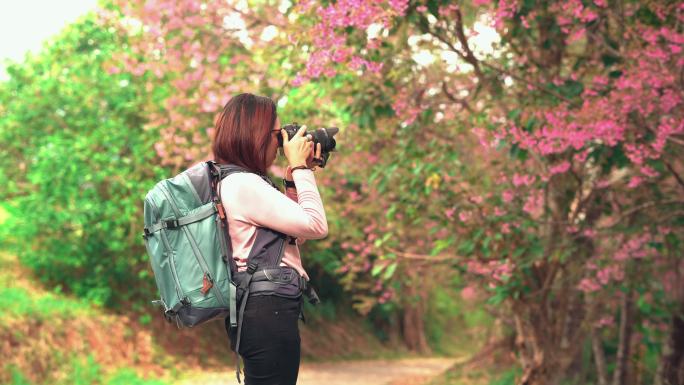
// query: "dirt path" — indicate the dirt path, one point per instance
point(413, 371)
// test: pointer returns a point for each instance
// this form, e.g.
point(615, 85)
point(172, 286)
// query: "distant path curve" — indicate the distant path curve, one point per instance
point(406, 371)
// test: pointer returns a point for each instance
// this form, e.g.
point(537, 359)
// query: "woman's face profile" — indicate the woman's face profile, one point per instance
point(273, 147)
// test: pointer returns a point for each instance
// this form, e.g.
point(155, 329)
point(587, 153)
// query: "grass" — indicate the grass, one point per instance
point(85, 371)
point(19, 297)
point(468, 375)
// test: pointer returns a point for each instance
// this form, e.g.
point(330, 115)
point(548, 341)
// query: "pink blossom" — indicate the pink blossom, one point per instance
point(648, 171)
point(560, 168)
point(477, 199)
point(590, 233)
point(664, 229)
point(605, 321)
point(468, 293)
point(534, 203)
point(524, 22)
point(481, 135)
point(588, 285)
point(635, 181)
point(399, 6)
point(522, 180)
point(446, 10)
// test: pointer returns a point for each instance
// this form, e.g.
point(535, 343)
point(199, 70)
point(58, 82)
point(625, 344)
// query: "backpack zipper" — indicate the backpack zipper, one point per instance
point(193, 245)
point(171, 256)
point(172, 263)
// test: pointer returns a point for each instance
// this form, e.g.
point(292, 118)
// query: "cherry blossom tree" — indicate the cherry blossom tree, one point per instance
point(548, 134)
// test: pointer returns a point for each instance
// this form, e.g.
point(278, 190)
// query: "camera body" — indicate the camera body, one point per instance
point(324, 136)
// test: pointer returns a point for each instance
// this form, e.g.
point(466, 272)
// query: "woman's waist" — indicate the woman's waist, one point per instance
point(260, 305)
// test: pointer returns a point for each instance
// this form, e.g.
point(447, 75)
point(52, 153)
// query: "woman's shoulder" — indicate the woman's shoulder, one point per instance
point(243, 182)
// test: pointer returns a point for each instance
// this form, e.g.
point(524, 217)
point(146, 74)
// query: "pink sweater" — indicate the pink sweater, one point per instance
point(250, 202)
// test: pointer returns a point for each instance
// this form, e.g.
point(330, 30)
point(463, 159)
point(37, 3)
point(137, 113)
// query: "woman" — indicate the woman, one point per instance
point(246, 134)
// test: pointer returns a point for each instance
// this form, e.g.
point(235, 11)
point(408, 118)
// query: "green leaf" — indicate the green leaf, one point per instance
point(440, 245)
point(390, 271)
point(466, 247)
point(390, 212)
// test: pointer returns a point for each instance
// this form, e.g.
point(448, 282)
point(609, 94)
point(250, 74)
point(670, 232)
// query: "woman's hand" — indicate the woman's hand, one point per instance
point(313, 159)
point(298, 149)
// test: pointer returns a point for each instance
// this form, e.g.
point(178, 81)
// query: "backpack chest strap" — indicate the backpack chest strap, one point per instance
point(208, 210)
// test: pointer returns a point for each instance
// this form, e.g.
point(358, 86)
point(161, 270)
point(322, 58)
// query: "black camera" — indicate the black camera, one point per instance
point(324, 136)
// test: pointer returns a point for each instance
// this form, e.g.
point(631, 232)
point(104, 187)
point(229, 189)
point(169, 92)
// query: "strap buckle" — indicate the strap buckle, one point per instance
point(171, 223)
point(146, 233)
point(213, 169)
point(251, 268)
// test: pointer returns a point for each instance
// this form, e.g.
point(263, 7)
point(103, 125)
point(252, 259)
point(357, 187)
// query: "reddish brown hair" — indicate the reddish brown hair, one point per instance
point(243, 132)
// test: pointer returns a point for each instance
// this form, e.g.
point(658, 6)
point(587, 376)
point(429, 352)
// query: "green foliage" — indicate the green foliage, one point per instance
point(83, 371)
point(448, 321)
point(78, 166)
point(127, 376)
point(325, 311)
point(18, 377)
point(506, 378)
point(18, 302)
point(86, 371)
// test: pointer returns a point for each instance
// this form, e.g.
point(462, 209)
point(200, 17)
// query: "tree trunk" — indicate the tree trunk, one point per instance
point(414, 335)
point(636, 374)
point(626, 321)
point(412, 322)
point(537, 361)
point(599, 357)
point(671, 368)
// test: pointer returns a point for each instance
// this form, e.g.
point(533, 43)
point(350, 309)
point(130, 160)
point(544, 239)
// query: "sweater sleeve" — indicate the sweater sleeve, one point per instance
point(262, 205)
point(292, 194)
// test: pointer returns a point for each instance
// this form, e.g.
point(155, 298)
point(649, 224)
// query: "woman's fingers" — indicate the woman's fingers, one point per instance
point(301, 131)
point(286, 137)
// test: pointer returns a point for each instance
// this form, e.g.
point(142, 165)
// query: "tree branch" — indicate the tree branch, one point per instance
point(676, 175)
point(454, 99)
point(423, 257)
point(642, 207)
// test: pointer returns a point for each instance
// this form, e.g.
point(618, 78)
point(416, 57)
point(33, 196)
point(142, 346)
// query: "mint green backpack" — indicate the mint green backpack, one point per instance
point(187, 242)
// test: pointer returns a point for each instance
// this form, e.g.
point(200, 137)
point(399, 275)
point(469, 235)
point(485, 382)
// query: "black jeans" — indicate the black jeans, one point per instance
point(270, 342)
